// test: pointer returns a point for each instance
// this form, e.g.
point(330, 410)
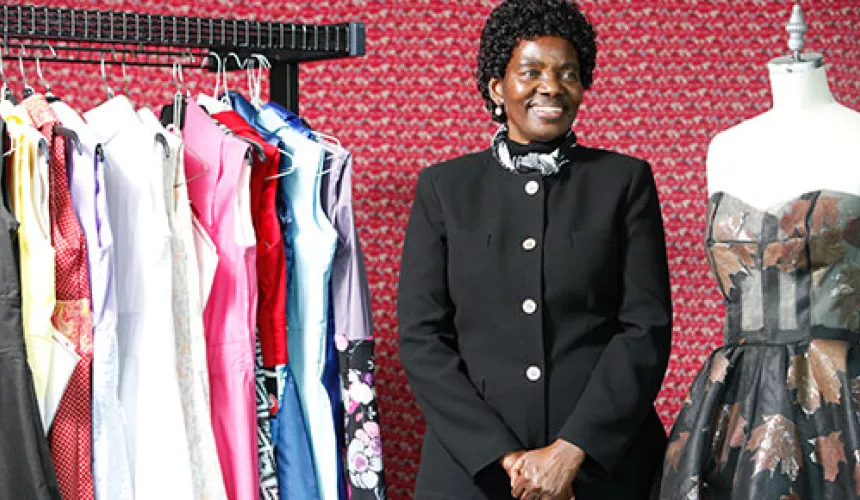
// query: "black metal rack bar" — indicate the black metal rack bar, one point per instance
point(78, 36)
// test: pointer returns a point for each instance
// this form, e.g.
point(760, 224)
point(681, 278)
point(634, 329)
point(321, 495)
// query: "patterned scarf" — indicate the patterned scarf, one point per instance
point(548, 158)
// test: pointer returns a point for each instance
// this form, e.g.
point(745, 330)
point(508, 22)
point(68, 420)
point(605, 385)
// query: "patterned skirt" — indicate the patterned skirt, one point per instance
point(769, 422)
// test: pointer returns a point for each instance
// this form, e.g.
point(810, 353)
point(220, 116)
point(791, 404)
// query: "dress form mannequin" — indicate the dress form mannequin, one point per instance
point(805, 142)
point(783, 241)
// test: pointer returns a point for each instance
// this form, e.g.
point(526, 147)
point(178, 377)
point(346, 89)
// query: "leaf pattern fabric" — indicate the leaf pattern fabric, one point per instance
point(673, 452)
point(815, 374)
point(792, 223)
point(733, 261)
point(773, 443)
point(728, 431)
point(830, 452)
point(847, 301)
point(775, 412)
point(719, 368)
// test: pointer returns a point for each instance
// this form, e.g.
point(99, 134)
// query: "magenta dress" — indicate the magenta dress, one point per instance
point(215, 187)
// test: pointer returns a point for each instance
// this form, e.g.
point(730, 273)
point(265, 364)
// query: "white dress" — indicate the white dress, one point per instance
point(111, 472)
point(191, 364)
point(149, 385)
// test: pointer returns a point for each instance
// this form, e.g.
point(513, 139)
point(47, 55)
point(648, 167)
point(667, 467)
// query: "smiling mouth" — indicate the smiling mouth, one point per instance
point(548, 112)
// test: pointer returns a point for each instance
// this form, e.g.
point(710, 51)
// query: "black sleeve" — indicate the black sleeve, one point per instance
point(472, 431)
point(627, 378)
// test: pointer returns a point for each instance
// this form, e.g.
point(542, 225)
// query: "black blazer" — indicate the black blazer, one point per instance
point(533, 308)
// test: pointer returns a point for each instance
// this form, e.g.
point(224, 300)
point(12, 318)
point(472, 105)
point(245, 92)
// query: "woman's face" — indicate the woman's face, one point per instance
point(540, 91)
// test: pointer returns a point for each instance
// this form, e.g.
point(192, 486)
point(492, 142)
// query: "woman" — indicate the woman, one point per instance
point(534, 304)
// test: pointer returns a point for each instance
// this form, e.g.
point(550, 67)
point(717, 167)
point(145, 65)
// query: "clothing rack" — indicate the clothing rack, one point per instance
point(88, 36)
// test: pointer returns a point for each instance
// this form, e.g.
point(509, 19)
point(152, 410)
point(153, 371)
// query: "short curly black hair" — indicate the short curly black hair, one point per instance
point(516, 20)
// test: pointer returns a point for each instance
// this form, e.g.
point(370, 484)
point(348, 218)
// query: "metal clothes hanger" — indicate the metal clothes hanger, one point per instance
point(328, 137)
point(28, 90)
point(178, 105)
point(254, 92)
point(254, 88)
point(219, 64)
point(256, 147)
point(110, 92)
point(225, 98)
point(125, 78)
point(194, 153)
point(48, 94)
point(57, 128)
point(182, 88)
point(282, 174)
point(255, 79)
point(178, 98)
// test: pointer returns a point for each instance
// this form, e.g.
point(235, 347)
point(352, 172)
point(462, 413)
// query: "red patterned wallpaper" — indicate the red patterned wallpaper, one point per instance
point(670, 75)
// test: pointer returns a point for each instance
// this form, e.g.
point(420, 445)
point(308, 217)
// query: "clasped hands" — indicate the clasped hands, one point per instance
point(545, 473)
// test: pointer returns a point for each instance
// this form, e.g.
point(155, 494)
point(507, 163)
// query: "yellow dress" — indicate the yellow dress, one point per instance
point(51, 361)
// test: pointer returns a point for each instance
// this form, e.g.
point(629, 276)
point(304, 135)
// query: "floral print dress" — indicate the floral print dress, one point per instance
point(775, 412)
point(353, 337)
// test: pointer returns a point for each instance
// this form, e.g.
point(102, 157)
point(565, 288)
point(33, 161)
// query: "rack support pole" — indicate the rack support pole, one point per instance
point(284, 85)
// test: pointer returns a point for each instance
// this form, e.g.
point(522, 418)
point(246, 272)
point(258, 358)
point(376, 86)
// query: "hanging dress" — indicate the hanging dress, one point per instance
point(52, 357)
point(296, 474)
point(216, 194)
point(71, 432)
point(149, 385)
point(111, 471)
point(314, 241)
point(269, 287)
point(188, 322)
point(28, 180)
point(353, 337)
point(26, 470)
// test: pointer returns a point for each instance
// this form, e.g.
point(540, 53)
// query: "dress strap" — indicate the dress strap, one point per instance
point(803, 285)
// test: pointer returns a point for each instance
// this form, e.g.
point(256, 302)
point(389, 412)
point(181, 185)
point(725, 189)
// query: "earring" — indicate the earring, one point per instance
point(499, 110)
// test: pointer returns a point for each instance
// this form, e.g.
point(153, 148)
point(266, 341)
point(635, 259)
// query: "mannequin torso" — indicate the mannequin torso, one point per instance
point(806, 142)
point(783, 244)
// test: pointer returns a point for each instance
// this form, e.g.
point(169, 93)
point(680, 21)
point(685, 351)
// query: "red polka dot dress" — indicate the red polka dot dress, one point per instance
point(71, 434)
